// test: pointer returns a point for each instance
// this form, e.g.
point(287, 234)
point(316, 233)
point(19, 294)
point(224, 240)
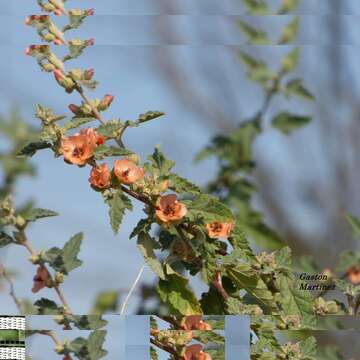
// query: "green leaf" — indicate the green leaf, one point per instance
point(95, 343)
point(355, 224)
point(290, 31)
point(295, 87)
point(254, 35)
point(246, 278)
point(111, 130)
point(291, 60)
point(208, 208)
point(293, 300)
point(308, 348)
point(31, 148)
point(103, 151)
point(182, 185)
point(176, 294)
point(118, 203)
point(142, 226)
point(37, 213)
point(65, 260)
point(5, 239)
point(160, 164)
point(148, 116)
point(239, 242)
point(47, 307)
point(87, 322)
point(287, 122)
point(77, 122)
point(71, 251)
point(147, 244)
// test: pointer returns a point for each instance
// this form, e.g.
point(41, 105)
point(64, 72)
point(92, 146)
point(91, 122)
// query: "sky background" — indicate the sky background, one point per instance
point(126, 45)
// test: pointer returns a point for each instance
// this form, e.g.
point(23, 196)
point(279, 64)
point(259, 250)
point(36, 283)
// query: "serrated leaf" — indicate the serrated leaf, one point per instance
point(287, 122)
point(208, 208)
point(47, 307)
point(146, 245)
point(87, 322)
point(118, 203)
point(111, 129)
point(37, 213)
point(71, 251)
point(77, 122)
point(5, 239)
point(246, 278)
point(308, 348)
point(178, 296)
point(103, 151)
point(148, 116)
point(159, 162)
point(182, 185)
point(293, 300)
point(95, 344)
point(295, 87)
point(31, 148)
point(142, 226)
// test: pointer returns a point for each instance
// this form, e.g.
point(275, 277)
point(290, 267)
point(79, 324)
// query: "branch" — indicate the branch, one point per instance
point(219, 286)
point(57, 288)
point(166, 348)
point(12, 293)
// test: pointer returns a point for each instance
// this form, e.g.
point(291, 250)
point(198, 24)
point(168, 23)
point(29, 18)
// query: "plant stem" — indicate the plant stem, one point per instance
point(12, 293)
point(57, 288)
point(166, 348)
point(219, 286)
point(123, 307)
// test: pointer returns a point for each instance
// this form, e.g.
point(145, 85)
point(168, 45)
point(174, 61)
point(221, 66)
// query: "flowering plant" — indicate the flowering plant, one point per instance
point(205, 233)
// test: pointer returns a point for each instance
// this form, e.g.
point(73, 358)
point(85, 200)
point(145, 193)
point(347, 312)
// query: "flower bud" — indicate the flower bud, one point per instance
point(59, 349)
point(74, 108)
point(88, 74)
point(59, 278)
point(90, 12)
point(58, 12)
point(105, 102)
point(58, 42)
point(90, 42)
point(58, 75)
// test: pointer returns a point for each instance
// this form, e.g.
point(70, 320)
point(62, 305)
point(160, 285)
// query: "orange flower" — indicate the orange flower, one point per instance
point(127, 171)
point(67, 357)
point(353, 275)
point(79, 148)
point(170, 209)
point(100, 177)
point(217, 229)
point(195, 322)
point(40, 279)
point(195, 352)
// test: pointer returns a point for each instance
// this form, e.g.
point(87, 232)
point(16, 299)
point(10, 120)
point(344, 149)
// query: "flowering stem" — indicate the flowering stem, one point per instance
point(219, 286)
point(57, 288)
point(166, 348)
point(123, 307)
point(137, 196)
point(12, 293)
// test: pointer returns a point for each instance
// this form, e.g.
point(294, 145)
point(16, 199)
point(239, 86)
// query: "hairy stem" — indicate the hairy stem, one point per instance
point(12, 293)
point(166, 348)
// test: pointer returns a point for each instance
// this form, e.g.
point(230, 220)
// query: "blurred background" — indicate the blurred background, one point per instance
point(180, 57)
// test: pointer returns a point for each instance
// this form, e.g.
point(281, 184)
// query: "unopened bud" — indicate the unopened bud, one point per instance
point(58, 12)
point(90, 42)
point(90, 12)
point(58, 42)
point(74, 108)
point(88, 74)
point(105, 102)
point(58, 75)
point(59, 278)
